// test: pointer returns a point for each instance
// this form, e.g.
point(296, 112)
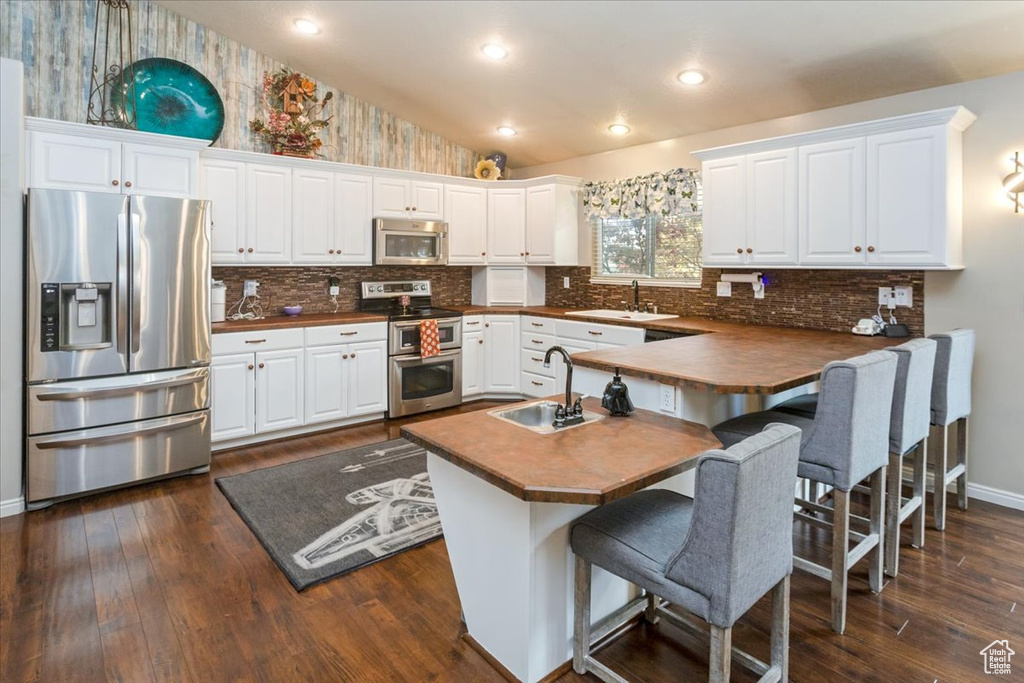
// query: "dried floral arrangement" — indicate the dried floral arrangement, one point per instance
point(291, 121)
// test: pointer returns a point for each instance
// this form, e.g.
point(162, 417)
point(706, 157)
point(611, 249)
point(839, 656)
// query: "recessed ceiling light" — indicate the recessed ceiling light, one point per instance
point(618, 129)
point(507, 131)
point(692, 77)
point(306, 26)
point(494, 51)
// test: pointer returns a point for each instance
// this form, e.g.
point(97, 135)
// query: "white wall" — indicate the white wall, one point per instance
point(987, 296)
point(12, 98)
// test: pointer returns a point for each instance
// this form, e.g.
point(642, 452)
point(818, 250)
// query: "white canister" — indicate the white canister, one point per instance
point(218, 298)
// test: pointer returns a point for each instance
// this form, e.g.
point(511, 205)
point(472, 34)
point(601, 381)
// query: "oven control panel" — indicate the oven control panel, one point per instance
point(387, 290)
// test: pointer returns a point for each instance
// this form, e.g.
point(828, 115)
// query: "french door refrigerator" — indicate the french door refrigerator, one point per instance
point(117, 341)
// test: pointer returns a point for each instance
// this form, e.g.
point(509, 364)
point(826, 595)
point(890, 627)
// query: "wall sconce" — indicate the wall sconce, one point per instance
point(1014, 183)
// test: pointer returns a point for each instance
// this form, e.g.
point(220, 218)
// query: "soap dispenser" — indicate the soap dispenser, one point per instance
point(616, 397)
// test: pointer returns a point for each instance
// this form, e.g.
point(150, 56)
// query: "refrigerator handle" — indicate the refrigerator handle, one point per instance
point(136, 283)
point(122, 282)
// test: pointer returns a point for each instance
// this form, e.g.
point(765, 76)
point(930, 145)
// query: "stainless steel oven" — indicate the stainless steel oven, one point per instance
point(419, 384)
point(400, 242)
point(404, 336)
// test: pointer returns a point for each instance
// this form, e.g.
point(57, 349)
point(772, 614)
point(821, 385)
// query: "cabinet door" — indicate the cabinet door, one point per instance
point(501, 350)
point(366, 377)
point(391, 198)
point(232, 404)
point(725, 219)
point(325, 395)
point(312, 216)
point(269, 216)
point(427, 201)
point(772, 236)
point(278, 390)
point(906, 198)
point(472, 363)
point(67, 162)
point(353, 219)
point(466, 212)
point(831, 203)
point(160, 171)
point(541, 224)
point(506, 226)
point(223, 183)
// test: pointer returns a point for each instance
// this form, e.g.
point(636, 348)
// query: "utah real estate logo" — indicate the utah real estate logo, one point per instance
point(997, 657)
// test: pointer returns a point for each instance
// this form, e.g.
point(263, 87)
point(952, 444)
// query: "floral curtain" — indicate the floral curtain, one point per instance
point(670, 193)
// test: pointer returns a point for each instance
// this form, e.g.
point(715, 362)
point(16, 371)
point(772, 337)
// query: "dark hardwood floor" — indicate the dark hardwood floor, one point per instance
point(164, 582)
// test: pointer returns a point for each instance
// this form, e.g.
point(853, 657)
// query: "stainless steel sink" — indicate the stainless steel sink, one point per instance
point(539, 416)
point(636, 316)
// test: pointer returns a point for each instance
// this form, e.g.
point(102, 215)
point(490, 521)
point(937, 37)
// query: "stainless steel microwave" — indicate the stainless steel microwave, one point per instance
point(401, 242)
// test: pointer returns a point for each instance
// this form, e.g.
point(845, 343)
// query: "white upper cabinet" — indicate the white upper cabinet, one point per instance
point(506, 225)
point(403, 198)
point(223, 184)
point(725, 193)
point(831, 204)
point(269, 219)
point(878, 194)
point(312, 209)
point(906, 198)
point(466, 213)
point(353, 219)
point(165, 171)
point(552, 224)
point(771, 207)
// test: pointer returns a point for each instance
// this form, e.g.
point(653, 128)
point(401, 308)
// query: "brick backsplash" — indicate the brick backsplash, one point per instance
point(307, 286)
point(818, 299)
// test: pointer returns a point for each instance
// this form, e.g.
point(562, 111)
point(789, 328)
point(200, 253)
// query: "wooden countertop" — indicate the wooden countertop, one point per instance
point(737, 359)
point(281, 322)
point(592, 464)
point(688, 325)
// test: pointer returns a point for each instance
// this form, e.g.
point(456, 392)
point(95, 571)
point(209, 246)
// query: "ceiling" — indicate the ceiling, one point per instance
point(574, 68)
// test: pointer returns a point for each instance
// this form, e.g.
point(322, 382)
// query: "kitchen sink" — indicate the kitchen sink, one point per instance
point(539, 416)
point(623, 315)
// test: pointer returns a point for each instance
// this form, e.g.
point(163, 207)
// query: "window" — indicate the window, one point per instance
point(663, 249)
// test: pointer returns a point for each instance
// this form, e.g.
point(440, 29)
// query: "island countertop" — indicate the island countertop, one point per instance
point(591, 464)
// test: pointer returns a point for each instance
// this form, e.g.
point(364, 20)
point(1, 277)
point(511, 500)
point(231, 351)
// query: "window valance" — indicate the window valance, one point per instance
point(669, 193)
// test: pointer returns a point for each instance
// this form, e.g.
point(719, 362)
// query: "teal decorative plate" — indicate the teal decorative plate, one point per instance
point(172, 98)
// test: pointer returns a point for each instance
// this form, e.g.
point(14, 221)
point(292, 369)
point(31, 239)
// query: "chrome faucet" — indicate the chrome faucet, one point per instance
point(570, 413)
point(636, 296)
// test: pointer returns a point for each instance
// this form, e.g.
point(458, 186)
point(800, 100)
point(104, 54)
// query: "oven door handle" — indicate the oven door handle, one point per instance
point(444, 355)
point(416, 323)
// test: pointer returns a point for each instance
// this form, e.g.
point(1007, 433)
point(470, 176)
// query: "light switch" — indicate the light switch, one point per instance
point(565, 282)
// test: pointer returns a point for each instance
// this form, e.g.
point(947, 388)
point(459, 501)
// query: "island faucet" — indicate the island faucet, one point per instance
point(636, 296)
point(572, 414)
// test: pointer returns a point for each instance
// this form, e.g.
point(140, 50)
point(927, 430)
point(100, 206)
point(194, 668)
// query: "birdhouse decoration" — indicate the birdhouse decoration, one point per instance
point(290, 121)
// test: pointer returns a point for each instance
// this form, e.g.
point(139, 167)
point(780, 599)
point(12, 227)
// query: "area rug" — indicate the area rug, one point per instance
point(325, 516)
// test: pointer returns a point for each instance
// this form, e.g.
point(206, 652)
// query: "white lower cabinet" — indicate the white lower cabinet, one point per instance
point(501, 353)
point(366, 378)
point(326, 398)
point(473, 368)
point(233, 404)
point(279, 390)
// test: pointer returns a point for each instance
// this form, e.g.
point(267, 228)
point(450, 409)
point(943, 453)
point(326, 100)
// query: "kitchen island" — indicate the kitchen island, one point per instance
point(507, 497)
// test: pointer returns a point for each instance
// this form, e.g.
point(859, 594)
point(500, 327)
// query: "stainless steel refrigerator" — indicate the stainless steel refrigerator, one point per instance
point(117, 341)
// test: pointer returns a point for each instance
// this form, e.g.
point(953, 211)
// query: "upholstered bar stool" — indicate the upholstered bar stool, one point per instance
point(714, 555)
point(846, 442)
point(951, 402)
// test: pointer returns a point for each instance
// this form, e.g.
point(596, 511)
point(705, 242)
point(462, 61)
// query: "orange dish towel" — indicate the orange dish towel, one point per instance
point(430, 340)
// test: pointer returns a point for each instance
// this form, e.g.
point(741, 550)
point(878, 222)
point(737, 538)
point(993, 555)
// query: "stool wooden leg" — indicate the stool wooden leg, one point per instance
point(893, 502)
point(840, 554)
point(581, 616)
point(961, 458)
point(721, 654)
point(780, 628)
point(939, 461)
point(651, 613)
point(920, 470)
point(876, 525)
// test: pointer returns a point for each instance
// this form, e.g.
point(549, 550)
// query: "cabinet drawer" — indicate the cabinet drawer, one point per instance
point(594, 332)
point(538, 342)
point(472, 323)
point(538, 325)
point(345, 334)
point(251, 342)
point(533, 361)
point(537, 385)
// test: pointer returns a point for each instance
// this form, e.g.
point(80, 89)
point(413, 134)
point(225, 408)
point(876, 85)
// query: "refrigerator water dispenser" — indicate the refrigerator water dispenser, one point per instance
point(85, 315)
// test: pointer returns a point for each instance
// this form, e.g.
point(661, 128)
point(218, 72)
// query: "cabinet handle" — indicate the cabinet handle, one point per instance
point(871, 248)
point(347, 334)
point(352, 355)
point(527, 253)
point(537, 324)
point(414, 208)
point(480, 341)
point(330, 251)
point(261, 366)
point(522, 253)
point(749, 250)
point(539, 360)
point(596, 334)
point(407, 208)
point(536, 383)
point(536, 341)
point(250, 250)
point(114, 183)
point(128, 184)
point(739, 251)
point(483, 253)
point(475, 322)
point(255, 341)
point(857, 249)
point(250, 366)
point(241, 251)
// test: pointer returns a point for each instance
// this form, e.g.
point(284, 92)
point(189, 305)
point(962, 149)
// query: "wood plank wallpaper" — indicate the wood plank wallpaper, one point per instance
point(53, 38)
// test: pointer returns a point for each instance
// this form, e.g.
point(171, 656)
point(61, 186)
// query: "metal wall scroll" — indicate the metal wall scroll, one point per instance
point(113, 54)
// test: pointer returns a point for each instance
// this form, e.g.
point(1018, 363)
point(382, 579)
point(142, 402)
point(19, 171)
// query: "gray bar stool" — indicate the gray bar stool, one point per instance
point(951, 402)
point(715, 554)
point(846, 442)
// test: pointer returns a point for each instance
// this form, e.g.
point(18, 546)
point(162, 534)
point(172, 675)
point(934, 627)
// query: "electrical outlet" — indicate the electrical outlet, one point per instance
point(251, 288)
point(667, 398)
point(884, 295)
point(334, 290)
point(724, 289)
point(905, 297)
point(565, 282)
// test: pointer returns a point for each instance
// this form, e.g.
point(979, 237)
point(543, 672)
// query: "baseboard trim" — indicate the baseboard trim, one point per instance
point(996, 496)
point(14, 506)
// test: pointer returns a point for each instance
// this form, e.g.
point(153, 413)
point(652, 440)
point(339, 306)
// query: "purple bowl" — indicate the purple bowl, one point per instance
point(292, 310)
